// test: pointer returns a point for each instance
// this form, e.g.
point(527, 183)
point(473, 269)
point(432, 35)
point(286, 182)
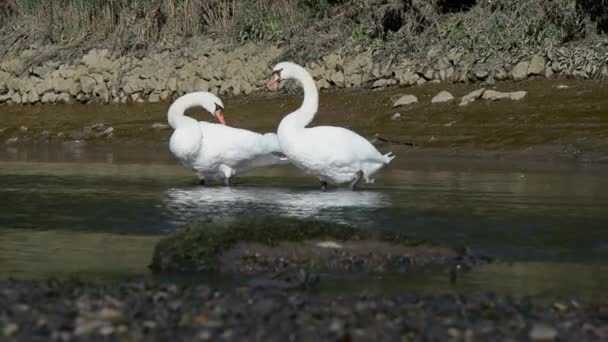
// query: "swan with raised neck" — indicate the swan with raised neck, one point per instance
point(335, 155)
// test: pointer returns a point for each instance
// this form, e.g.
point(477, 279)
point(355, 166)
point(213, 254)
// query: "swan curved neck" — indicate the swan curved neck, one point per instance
point(175, 115)
point(307, 111)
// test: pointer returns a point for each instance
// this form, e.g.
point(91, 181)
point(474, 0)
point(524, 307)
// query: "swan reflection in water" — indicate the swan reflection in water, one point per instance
point(191, 204)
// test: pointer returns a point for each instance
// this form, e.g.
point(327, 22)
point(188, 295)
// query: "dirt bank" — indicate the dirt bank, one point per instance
point(555, 120)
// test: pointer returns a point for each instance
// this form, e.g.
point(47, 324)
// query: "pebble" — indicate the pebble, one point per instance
point(328, 244)
point(396, 116)
point(12, 140)
point(542, 332)
point(279, 315)
point(159, 126)
point(10, 329)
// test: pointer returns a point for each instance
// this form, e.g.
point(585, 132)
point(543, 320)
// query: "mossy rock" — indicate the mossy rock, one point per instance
point(251, 245)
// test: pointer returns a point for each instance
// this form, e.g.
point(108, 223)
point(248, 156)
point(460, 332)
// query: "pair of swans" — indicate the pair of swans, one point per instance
point(335, 155)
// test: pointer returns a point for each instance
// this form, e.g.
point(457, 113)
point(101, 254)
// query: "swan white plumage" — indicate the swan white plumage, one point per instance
point(335, 155)
point(216, 150)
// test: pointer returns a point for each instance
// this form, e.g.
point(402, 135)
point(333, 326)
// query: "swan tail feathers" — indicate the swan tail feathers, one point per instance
point(389, 157)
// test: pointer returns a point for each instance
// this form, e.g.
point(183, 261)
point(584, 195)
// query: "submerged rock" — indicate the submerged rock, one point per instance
point(259, 245)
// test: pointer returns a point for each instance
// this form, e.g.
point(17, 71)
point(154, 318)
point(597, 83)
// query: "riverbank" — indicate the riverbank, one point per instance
point(148, 53)
point(72, 310)
point(556, 120)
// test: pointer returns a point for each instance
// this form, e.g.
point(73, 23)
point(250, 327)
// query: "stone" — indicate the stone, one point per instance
point(88, 84)
point(101, 93)
point(396, 116)
point(43, 87)
point(135, 97)
point(159, 126)
point(449, 74)
point(98, 60)
point(472, 96)
point(16, 98)
point(172, 84)
point(549, 72)
point(329, 244)
point(323, 84)
point(490, 80)
point(12, 140)
point(200, 85)
point(405, 100)
point(65, 98)
point(443, 96)
point(233, 67)
point(164, 95)
point(501, 75)
point(542, 332)
point(380, 83)
point(407, 78)
point(31, 97)
point(495, 95)
point(332, 61)
point(13, 83)
point(337, 78)
point(562, 86)
point(10, 329)
point(481, 74)
point(154, 97)
point(537, 65)
point(517, 95)
point(49, 98)
point(520, 71)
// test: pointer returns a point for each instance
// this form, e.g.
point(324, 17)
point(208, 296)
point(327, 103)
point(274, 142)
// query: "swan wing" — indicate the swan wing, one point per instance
point(239, 147)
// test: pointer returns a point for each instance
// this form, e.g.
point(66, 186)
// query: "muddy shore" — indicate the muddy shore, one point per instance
point(557, 120)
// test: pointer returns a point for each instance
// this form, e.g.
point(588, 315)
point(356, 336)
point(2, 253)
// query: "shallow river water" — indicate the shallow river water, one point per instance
point(96, 212)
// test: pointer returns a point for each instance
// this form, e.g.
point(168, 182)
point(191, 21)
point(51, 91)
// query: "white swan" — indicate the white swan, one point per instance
point(334, 154)
point(214, 150)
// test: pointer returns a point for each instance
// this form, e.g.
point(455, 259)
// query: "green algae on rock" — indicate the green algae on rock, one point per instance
point(253, 245)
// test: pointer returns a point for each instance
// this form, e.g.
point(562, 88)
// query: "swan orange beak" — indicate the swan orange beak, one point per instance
point(275, 79)
point(220, 116)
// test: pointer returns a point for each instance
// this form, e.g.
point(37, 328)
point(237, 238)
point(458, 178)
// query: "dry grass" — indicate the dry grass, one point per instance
point(311, 28)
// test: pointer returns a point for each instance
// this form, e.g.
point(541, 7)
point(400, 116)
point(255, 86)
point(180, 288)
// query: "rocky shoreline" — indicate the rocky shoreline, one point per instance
point(76, 311)
point(102, 77)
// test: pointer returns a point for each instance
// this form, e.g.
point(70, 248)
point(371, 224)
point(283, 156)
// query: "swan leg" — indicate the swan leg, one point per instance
point(323, 186)
point(355, 182)
point(228, 173)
